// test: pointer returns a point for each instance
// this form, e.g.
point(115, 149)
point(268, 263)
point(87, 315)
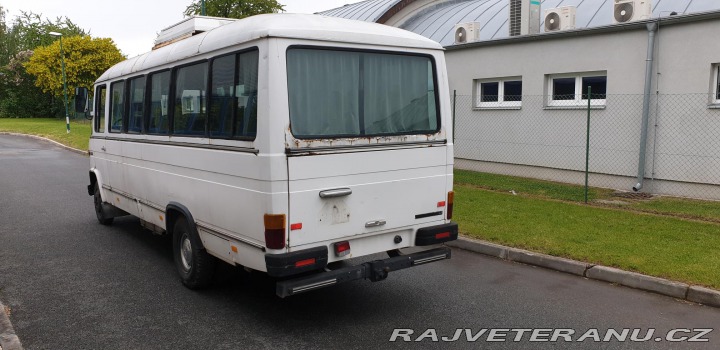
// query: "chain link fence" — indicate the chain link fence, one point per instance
point(546, 139)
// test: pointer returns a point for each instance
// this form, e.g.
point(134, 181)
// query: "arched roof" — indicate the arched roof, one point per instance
point(282, 25)
point(436, 19)
point(369, 10)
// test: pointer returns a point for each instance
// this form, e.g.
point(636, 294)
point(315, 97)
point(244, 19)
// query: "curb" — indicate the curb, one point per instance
point(678, 290)
point(8, 339)
point(71, 149)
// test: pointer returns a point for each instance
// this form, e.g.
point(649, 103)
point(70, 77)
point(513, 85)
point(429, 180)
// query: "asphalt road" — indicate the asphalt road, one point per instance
point(74, 284)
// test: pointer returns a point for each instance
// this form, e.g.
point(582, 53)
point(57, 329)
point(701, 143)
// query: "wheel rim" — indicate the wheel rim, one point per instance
point(186, 252)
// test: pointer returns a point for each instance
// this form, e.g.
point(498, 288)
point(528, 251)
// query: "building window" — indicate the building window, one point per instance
point(571, 90)
point(498, 93)
point(716, 84)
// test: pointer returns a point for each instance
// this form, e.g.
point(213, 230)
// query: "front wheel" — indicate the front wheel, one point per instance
point(100, 212)
point(194, 264)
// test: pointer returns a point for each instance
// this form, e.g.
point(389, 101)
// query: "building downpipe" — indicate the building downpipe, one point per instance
point(652, 29)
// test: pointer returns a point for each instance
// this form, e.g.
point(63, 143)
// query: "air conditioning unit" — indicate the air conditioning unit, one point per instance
point(524, 17)
point(631, 10)
point(467, 32)
point(561, 18)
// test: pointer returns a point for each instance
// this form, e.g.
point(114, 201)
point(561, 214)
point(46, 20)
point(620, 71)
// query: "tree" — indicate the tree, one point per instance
point(86, 59)
point(20, 97)
point(29, 30)
point(234, 8)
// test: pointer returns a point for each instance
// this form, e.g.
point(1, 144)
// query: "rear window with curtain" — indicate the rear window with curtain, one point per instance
point(339, 93)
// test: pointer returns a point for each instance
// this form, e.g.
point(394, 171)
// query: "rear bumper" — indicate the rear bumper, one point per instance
point(374, 270)
point(436, 234)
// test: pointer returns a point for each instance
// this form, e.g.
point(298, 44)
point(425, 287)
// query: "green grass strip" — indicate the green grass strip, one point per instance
point(53, 129)
point(666, 247)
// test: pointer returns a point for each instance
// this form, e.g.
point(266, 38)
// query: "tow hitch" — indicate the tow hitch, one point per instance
point(377, 270)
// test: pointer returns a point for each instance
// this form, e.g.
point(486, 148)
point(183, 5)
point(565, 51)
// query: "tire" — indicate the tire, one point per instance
point(195, 266)
point(100, 213)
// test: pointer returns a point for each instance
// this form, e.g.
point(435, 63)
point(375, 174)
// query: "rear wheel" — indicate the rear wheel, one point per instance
point(100, 212)
point(194, 264)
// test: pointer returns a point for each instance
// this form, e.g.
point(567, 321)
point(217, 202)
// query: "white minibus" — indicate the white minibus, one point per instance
point(283, 143)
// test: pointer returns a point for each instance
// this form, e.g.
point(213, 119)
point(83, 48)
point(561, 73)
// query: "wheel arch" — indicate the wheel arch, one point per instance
point(175, 210)
point(96, 178)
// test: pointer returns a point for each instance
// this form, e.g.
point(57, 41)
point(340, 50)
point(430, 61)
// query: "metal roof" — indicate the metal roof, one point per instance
point(369, 10)
point(438, 19)
point(282, 25)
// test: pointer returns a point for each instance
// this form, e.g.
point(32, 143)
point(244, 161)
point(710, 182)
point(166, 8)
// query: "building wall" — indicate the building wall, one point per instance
point(684, 135)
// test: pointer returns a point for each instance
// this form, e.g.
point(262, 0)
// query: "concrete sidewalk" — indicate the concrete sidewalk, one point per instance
point(8, 339)
point(662, 286)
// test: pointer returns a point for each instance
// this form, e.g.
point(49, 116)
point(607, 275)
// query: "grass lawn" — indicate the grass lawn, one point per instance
point(53, 129)
point(545, 217)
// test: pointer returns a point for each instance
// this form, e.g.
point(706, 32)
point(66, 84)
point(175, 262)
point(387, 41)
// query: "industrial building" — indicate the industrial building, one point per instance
point(521, 71)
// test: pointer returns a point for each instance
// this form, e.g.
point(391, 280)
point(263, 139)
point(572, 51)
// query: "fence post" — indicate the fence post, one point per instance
point(587, 144)
point(453, 114)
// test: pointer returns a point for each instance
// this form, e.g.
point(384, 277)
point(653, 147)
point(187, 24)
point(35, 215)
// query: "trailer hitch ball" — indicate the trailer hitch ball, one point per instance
point(378, 271)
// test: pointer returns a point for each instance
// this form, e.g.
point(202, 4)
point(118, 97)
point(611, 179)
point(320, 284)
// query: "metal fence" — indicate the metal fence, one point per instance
point(544, 139)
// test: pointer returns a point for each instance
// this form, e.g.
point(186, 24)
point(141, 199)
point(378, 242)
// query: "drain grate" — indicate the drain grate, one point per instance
point(632, 195)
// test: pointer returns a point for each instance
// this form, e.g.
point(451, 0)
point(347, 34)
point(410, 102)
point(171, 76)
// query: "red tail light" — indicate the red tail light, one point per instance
point(342, 248)
point(275, 231)
point(450, 200)
point(305, 262)
point(442, 235)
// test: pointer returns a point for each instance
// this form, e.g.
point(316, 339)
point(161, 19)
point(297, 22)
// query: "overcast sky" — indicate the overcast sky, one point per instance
point(133, 24)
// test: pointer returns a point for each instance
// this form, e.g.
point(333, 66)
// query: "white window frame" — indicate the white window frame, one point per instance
point(715, 87)
point(578, 101)
point(500, 103)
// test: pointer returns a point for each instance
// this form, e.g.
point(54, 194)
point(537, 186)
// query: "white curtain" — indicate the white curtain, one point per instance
point(344, 93)
point(324, 89)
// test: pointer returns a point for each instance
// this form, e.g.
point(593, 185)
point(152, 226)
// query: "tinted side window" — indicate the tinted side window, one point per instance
point(247, 91)
point(158, 114)
point(223, 101)
point(233, 96)
point(190, 100)
point(137, 103)
point(117, 106)
point(100, 96)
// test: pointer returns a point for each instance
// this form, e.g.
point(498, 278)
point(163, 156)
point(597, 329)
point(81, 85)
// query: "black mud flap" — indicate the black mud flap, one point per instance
point(374, 271)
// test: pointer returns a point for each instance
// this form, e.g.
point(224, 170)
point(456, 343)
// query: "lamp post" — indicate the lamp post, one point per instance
point(62, 62)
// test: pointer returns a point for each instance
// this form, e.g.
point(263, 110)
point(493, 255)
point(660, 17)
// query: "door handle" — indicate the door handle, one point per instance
point(375, 223)
point(334, 193)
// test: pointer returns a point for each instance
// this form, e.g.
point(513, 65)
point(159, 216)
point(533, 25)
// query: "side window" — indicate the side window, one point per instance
point(100, 96)
point(233, 96)
point(246, 92)
point(223, 101)
point(158, 114)
point(117, 107)
point(137, 104)
point(190, 113)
